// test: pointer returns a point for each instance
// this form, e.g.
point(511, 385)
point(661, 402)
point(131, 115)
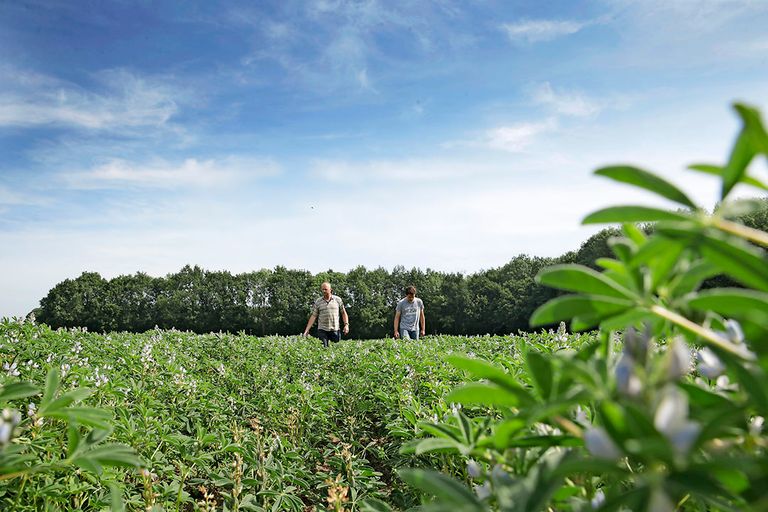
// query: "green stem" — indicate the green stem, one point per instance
point(21, 491)
point(707, 334)
point(734, 228)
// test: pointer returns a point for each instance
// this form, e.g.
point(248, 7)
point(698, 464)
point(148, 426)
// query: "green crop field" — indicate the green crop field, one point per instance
point(219, 420)
point(660, 410)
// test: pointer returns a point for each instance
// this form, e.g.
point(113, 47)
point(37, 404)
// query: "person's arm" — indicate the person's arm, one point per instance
point(311, 322)
point(397, 323)
point(345, 319)
point(422, 320)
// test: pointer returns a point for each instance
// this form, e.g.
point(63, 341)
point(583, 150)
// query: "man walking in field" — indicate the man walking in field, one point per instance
point(326, 310)
point(409, 316)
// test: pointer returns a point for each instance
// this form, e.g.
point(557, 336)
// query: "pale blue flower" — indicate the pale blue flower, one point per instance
point(600, 444)
point(710, 365)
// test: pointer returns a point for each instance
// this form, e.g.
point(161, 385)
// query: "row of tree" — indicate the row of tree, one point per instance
point(496, 301)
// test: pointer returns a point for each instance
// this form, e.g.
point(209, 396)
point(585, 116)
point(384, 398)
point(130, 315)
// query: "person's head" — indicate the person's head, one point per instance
point(410, 293)
point(326, 289)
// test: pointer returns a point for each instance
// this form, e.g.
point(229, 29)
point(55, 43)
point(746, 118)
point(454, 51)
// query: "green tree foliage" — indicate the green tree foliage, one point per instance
point(494, 301)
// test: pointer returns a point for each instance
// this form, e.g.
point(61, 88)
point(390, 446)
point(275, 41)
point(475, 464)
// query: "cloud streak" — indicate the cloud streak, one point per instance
point(566, 103)
point(537, 31)
point(191, 172)
point(126, 101)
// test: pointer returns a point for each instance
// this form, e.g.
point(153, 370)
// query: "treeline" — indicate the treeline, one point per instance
point(495, 301)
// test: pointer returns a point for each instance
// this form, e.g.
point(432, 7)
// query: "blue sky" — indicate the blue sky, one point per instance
point(317, 134)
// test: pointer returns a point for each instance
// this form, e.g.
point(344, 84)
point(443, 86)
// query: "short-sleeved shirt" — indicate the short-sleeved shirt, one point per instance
point(410, 312)
point(327, 312)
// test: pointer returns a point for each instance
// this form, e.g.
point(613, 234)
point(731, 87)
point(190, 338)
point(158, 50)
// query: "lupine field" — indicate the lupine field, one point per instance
point(223, 421)
point(660, 410)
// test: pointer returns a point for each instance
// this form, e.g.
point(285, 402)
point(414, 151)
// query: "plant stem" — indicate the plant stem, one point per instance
point(734, 228)
point(703, 332)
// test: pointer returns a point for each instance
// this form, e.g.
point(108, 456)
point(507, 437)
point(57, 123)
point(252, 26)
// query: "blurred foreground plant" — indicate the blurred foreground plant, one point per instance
point(673, 420)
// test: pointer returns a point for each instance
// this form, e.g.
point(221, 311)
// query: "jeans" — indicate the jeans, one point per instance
point(326, 336)
point(409, 334)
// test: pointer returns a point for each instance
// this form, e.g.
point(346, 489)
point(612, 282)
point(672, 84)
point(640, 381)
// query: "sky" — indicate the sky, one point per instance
point(327, 134)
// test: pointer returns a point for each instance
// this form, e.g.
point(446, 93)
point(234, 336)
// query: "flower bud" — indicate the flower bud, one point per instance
point(710, 365)
point(678, 359)
point(627, 380)
point(600, 444)
point(473, 469)
point(733, 331)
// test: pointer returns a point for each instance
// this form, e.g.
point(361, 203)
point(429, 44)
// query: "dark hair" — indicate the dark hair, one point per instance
point(410, 289)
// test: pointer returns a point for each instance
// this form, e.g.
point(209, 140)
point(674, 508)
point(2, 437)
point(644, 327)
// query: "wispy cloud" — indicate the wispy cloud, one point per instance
point(568, 103)
point(517, 137)
point(412, 170)
point(687, 16)
point(512, 138)
point(9, 197)
point(346, 45)
point(124, 100)
point(163, 174)
point(534, 31)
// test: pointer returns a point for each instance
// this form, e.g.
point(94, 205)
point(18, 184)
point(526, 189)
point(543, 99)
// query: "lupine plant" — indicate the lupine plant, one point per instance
point(55, 435)
point(234, 422)
point(665, 410)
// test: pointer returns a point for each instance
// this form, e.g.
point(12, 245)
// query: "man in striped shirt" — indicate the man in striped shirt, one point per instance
point(326, 310)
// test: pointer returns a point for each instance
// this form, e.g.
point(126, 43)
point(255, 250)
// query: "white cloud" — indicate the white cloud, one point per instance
point(163, 174)
point(534, 31)
point(125, 101)
point(568, 103)
point(517, 137)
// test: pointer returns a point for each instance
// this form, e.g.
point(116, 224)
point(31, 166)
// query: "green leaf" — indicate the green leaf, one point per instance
point(64, 401)
point(689, 281)
point(51, 385)
point(732, 479)
point(700, 397)
point(73, 439)
point(660, 255)
point(540, 368)
point(619, 214)
point(97, 418)
point(17, 390)
point(646, 180)
point(546, 441)
point(754, 127)
point(441, 430)
point(569, 306)
point(374, 505)
point(488, 394)
point(108, 455)
point(634, 233)
point(466, 429)
point(484, 370)
point(506, 431)
point(578, 278)
point(739, 260)
point(741, 155)
point(623, 248)
point(731, 302)
point(718, 171)
point(445, 488)
point(611, 264)
point(731, 256)
point(434, 444)
point(116, 495)
point(632, 318)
